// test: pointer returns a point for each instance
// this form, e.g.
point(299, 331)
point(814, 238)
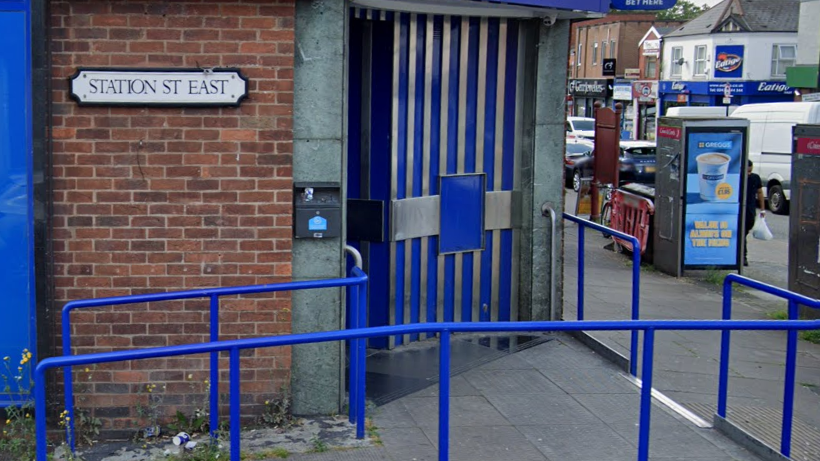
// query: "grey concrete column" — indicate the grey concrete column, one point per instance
point(318, 155)
point(542, 178)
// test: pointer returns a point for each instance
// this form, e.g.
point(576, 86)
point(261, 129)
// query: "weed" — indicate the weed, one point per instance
point(277, 410)
point(809, 385)
point(778, 315)
point(18, 432)
point(278, 453)
point(210, 451)
point(319, 445)
point(715, 276)
point(372, 431)
point(812, 336)
point(199, 420)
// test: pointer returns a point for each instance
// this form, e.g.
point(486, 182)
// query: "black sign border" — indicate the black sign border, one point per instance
point(220, 70)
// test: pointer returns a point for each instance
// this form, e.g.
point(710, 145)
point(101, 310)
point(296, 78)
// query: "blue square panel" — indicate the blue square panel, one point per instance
point(462, 212)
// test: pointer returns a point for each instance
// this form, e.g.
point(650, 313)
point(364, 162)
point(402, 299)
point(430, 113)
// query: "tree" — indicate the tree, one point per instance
point(684, 10)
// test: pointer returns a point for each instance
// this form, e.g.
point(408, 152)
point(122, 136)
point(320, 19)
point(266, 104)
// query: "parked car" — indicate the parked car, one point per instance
point(581, 127)
point(576, 150)
point(637, 164)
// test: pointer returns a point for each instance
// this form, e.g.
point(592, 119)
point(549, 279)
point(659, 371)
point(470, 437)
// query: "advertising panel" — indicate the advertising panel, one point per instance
point(729, 61)
point(714, 185)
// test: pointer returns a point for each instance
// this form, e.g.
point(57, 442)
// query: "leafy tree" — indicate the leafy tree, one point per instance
point(684, 10)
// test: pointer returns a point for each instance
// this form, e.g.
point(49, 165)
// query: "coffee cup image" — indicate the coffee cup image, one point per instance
point(712, 169)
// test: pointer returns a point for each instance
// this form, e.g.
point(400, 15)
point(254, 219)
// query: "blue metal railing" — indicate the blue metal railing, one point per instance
point(794, 300)
point(356, 283)
point(444, 329)
point(636, 278)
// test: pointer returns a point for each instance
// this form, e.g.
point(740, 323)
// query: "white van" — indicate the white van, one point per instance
point(699, 111)
point(770, 144)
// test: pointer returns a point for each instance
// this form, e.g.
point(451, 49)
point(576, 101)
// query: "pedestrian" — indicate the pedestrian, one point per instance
point(754, 197)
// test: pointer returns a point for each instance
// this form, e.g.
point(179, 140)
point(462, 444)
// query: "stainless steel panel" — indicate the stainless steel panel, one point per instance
point(414, 218)
point(394, 153)
point(498, 169)
point(425, 161)
point(464, 54)
point(408, 161)
point(446, 40)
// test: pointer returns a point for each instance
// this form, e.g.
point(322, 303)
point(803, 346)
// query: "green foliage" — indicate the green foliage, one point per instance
point(812, 336)
point(86, 427)
point(684, 10)
point(277, 411)
point(715, 276)
point(319, 445)
point(778, 315)
point(278, 453)
point(202, 452)
point(198, 422)
point(18, 438)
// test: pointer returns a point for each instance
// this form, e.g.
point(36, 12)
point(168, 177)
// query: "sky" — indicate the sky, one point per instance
point(707, 2)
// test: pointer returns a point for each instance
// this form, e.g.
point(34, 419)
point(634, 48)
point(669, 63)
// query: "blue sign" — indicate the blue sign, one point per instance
point(317, 223)
point(713, 194)
point(747, 88)
point(601, 6)
point(729, 61)
point(643, 4)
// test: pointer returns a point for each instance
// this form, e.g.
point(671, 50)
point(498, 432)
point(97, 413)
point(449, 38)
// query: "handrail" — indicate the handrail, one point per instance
point(357, 279)
point(357, 257)
point(636, 278)
point(794, 300)
point(445, 329)
point(546, 209)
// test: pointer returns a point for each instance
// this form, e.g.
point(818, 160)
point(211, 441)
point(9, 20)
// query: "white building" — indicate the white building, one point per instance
point(735, 53)
point(804, 75)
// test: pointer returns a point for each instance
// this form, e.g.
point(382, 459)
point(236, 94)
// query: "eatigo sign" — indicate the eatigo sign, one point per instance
point(642, 4)
point(159, 87)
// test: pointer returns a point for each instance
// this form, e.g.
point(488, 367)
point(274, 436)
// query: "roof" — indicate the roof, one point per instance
point(750, 15)
point(659, 32)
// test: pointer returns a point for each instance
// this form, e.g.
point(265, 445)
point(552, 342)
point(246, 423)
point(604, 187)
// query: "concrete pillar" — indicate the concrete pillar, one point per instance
point(542, 180)
point(319, 139)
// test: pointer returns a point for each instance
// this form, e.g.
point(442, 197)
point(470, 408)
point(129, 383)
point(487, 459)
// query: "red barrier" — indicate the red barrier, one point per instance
point(631, 214)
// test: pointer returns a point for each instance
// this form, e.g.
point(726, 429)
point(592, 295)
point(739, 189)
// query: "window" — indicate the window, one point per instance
point(651, 69)
point(580, 49)
point(677, 61)
point(612, 49)
point(594, 54)
point(700, 60)
point(603, 51)
point(783, 56)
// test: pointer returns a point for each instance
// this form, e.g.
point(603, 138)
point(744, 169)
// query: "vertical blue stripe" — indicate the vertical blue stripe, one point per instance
point(380, 142)
point(452, 156)
point(435, 140)
point(508, 163)
point(418, 154)
point(472, 97)
point(354, 112)
point(401, 163)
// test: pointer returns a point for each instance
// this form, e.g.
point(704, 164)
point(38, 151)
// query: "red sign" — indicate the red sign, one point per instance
point(669, 132)
point(809, 146)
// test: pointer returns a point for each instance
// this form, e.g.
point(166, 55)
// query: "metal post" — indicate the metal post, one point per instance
point(235, 402)
point(68, 379)
point(40, 412)
point(646, 394)
point(788, 388)
point(353, 354)
point(444, 398)
point(636, 300)
point(361, 361)
point(725, 336)
point(214, 380)
point(580, 271)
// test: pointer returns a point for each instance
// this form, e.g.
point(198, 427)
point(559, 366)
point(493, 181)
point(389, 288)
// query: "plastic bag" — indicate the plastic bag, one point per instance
point(760, 230)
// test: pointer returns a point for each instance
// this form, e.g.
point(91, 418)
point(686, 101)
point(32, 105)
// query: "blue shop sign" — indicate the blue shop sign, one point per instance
point(729, 61)
point(643, 4)
point(717, 88)
point(601, 6)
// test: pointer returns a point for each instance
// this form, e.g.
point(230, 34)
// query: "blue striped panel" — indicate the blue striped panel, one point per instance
point(470, 154)
point(401, 165)
point(505, 288)
point(418, 154)
point(452, 156)
point(489, 161)
point(380, 123)
point(435, 140)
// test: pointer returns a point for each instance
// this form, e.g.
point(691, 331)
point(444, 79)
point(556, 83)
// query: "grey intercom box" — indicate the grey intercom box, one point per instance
point(317, 210)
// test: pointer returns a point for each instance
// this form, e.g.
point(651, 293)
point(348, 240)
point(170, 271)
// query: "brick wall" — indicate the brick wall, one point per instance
point(150, 199)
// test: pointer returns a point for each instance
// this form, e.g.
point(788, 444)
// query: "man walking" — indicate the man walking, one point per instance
point(754, 197)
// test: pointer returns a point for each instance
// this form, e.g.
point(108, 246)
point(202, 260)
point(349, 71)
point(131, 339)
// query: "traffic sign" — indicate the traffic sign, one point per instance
point(643, 4)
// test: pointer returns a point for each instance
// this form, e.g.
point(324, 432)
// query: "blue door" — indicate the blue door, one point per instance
point(434, 101)
point(16, 224)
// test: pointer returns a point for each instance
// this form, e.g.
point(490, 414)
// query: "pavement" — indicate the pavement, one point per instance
point(560, 400)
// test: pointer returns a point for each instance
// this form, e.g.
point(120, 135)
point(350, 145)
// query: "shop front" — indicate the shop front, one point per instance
point(722, 93)
point(584, 92)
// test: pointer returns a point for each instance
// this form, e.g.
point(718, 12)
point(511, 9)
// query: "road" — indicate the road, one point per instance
point(768, 260)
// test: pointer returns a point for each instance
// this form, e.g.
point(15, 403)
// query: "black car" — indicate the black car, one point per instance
point(637, 164)
point(576, 151)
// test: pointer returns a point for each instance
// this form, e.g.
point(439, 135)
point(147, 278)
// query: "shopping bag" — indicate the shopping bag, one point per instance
point(760, 230)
